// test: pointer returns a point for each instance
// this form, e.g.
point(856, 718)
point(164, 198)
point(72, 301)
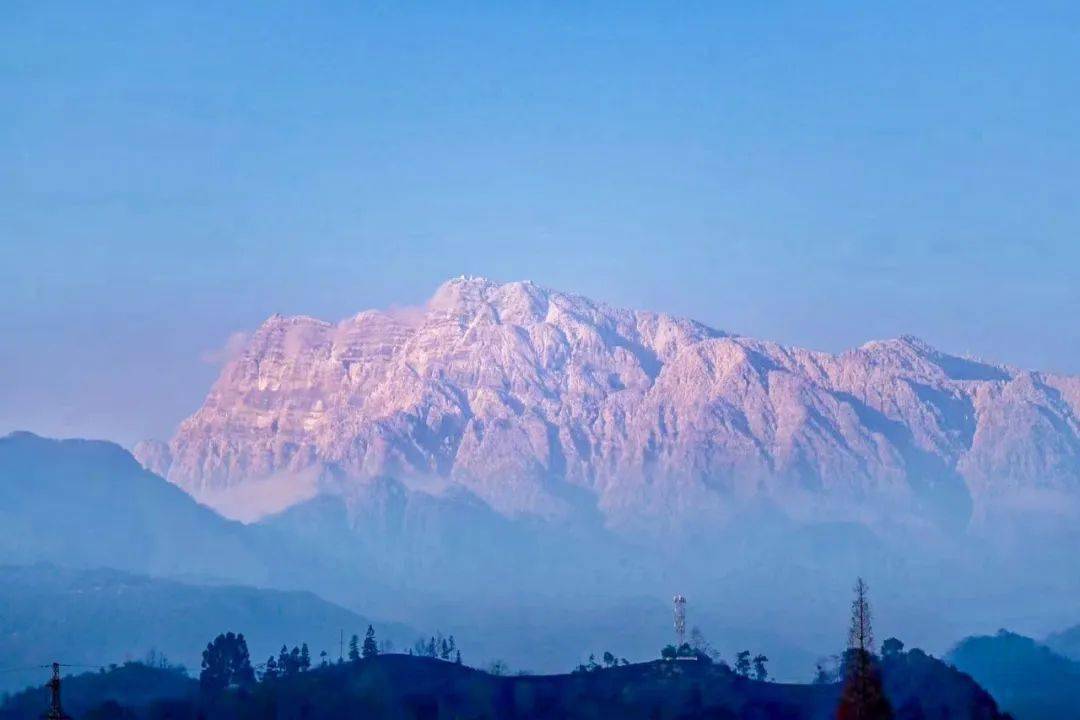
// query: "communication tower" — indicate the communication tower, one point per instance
point(680, 620)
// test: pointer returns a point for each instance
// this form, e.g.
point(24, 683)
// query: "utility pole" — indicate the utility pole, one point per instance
point(55, 711)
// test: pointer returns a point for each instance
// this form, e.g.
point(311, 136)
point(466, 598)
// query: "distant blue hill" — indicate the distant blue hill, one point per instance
point(103, 617)
point(82, 503)
point(89, 504)
point(93, 549)
point(1066, 642)
point(1027, 678)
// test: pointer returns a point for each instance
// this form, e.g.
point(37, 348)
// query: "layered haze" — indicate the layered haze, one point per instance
point(460, 450)
point(537, 473)
point(801, 309)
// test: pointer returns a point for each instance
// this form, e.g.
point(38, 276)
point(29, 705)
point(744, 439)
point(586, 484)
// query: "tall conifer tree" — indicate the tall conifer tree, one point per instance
point(863, 697)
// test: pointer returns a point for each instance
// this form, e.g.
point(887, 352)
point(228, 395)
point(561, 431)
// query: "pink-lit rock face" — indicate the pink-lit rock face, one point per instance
point(154, 455)
point(539, 402)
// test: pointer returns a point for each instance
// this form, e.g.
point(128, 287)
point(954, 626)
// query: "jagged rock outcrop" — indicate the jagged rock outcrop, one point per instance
point(544, 403)
point(154, 455)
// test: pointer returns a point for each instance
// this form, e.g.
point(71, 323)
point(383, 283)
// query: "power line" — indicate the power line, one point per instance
point(22, 668)
point(45, 666)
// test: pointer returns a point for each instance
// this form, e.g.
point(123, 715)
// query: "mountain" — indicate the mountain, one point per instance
point(105, 617)
point(1027, 679)
point(550, 405)
point(1066, 642)
point(88, 504)
point(400, 686)
point(446, 562)
point(83, 503)
point(511, 451)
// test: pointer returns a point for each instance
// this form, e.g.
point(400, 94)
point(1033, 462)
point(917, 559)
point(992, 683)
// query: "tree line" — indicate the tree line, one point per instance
point(226, 661)
point(438, 647)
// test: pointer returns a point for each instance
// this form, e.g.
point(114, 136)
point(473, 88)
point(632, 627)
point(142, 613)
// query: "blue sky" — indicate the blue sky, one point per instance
point(816, 173)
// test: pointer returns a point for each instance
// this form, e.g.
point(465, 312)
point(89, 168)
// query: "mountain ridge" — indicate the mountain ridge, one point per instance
point(542, 403)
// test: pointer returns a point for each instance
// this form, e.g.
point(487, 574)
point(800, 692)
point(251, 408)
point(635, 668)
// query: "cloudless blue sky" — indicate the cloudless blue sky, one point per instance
point(813, 172)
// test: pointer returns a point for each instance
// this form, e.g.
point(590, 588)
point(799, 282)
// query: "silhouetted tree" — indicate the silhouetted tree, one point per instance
point(371, 647)
point(283, 660)
point(891, 648)
point(669, 652)
point(156, 659)
point(861, 632)
point(822, 675)
point(863, 697)
point(742, 663)
point(226, 662)
point(354, 649)
point(609, 659)
point(323, 662)
point(700, 645)
point(290, 662)
point(305, 658)
point(457, 658)
point(760, 673)
point(271, 670)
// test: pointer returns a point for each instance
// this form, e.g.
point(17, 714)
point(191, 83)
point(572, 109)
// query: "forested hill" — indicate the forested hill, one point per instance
point(1029, 679)
point(403, 686)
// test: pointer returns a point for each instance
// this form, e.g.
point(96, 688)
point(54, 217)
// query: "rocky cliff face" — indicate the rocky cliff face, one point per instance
point(548, 404)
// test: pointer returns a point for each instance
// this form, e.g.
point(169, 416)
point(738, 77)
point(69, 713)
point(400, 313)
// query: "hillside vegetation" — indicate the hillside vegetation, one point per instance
point(403, 686)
